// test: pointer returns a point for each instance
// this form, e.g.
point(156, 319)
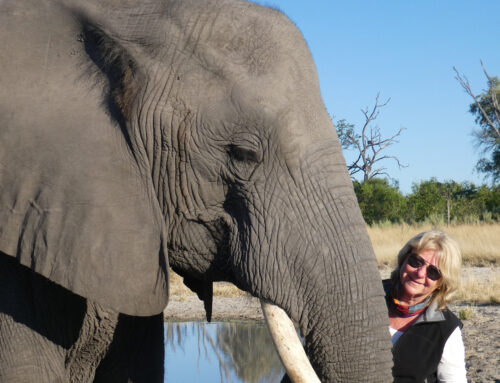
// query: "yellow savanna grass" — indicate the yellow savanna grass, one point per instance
point(479, 290)
point(480, 244)
point(221, 289)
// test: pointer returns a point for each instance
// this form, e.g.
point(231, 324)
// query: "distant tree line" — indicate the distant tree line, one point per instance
point(430, 201)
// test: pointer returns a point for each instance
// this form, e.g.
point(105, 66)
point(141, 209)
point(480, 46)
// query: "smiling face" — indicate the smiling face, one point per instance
point(415, 283)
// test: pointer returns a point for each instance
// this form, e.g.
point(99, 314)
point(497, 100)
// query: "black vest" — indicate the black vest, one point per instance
point(417, 352)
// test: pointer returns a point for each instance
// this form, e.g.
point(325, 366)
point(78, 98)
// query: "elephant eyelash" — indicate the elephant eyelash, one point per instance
point(243, 155)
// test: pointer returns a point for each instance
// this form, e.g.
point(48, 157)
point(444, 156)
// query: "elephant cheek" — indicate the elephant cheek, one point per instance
point(199, 249)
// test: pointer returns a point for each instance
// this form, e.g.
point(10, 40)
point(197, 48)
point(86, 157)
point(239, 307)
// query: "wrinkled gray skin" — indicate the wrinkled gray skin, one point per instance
point(182, 133)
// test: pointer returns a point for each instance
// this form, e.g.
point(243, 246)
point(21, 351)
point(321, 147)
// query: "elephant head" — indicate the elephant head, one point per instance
point(189, 134)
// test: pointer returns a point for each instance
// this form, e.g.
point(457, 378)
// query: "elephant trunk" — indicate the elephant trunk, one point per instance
point(329, 282)
point(352, 344)
point(343, 345)
point(345, 331)
point(344, 317)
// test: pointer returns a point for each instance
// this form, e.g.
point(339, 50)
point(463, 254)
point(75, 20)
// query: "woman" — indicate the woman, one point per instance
point(426, 336)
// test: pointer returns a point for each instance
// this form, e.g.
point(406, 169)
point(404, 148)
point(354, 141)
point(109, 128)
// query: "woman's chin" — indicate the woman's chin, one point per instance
point(412, 290)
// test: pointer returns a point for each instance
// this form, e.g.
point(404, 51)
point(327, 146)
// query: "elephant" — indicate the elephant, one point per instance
point(139, 137)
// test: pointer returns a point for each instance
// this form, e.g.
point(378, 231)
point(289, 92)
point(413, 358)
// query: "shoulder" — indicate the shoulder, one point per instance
point(438, 324)
point(452, 319)
point(444, 319)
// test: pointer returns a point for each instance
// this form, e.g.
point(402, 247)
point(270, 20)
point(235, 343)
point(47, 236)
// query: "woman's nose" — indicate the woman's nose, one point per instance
point(422, 271)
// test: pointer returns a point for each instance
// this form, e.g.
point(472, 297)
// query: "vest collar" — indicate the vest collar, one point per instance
point(432, 314)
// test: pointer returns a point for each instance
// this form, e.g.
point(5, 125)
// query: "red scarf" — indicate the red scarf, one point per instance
point(406, 311)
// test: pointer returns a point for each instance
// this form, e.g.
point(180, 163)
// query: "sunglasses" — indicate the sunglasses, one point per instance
point(416, 261)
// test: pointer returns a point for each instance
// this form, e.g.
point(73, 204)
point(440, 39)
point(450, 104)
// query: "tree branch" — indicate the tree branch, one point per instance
point(464, 82)
point(369, 143)
point(494, 99)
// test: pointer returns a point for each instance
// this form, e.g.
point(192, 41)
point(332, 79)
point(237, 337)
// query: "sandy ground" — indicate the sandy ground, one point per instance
point(481, 332)
point(191, 309)
point(481, 336)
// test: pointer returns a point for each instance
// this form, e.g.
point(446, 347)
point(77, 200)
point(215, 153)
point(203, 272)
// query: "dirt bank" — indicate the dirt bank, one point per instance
point(190, 308)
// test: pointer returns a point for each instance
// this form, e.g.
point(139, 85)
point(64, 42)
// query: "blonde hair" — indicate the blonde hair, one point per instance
point(449, 262)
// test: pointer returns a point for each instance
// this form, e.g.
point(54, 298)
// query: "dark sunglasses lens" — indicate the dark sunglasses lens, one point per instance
point(433, 273)
point(415, 261)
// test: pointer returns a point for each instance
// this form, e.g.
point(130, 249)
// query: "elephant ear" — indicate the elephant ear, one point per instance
point(76, 199)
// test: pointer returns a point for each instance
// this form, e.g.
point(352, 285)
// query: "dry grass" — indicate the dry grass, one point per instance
point(226, 289)
point(481, 290)
point(466, 313)
point(221, 289)
point(479, 243)
point(176, 287)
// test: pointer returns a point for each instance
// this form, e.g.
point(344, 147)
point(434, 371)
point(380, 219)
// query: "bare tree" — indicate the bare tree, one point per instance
point(368, 144)
point(487, 111)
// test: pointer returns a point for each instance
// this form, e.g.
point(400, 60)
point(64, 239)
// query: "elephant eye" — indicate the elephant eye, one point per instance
point(243, 155)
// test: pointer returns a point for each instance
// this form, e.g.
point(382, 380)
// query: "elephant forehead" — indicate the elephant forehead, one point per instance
point(242, 32)
point(293, 110)
point(236, 37)
point(299, 134)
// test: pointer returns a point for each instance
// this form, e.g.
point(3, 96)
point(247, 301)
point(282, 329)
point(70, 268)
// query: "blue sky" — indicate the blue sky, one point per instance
point(405, 50)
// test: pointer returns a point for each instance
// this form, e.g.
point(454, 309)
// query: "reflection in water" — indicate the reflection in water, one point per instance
point(231, 352)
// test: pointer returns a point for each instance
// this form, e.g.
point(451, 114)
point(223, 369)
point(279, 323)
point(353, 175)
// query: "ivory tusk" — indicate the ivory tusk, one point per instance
point(288, 345)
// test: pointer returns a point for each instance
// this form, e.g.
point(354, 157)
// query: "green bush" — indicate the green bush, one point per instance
point(379, 201)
